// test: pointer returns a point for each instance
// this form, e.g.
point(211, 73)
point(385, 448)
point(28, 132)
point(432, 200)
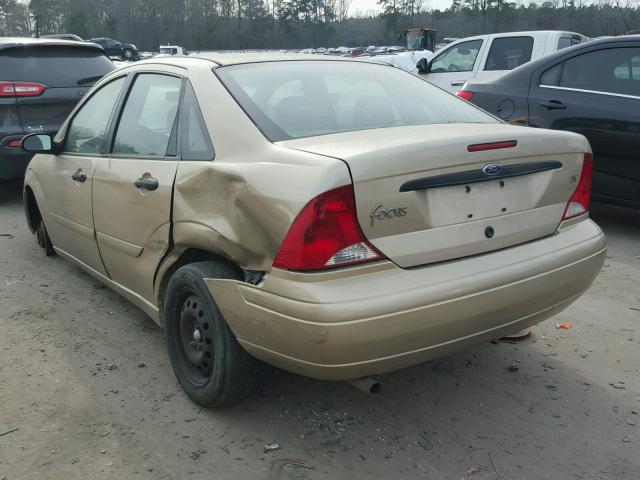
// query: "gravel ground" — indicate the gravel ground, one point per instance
point(87, 392)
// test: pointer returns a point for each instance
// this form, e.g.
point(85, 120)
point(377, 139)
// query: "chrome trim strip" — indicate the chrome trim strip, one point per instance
point(590, 91)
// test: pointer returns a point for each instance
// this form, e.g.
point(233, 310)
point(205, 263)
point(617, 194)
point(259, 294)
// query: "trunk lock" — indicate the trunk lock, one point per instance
point(489, 232)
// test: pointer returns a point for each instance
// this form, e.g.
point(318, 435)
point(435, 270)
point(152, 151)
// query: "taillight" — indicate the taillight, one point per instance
point(17, 143)
point(21, 89)
point(579, 201)
point(465, 95)
point(326, 234)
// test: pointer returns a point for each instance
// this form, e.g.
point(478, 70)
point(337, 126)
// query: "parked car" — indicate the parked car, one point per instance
point(168, 50)
point(592, 89)
point(485, 57)
point(248, 204)
point(64, 36)
point(40, 82)
point(114, 48)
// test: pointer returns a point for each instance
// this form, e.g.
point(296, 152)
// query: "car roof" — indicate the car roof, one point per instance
point(255, 57)
point(532, 33)
point(13, 42)
point(225, 59)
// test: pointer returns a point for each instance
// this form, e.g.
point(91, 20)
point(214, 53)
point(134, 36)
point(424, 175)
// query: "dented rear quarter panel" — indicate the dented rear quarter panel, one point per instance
point(241, 204)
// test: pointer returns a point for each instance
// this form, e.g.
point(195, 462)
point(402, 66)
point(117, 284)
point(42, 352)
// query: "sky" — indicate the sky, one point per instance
point(366, 5)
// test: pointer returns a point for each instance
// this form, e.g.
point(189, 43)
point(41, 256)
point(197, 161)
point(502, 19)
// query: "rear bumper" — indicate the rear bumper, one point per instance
point(379, 318)
point(13, 161)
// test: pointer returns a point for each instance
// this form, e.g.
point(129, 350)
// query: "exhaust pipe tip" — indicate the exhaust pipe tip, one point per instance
point(366, 385)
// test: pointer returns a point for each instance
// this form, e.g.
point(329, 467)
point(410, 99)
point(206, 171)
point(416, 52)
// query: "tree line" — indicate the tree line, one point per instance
point(289, 24)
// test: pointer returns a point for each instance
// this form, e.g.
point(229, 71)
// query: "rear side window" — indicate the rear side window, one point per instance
point(149, 116)
point(86, 133)
point(565, 42)
point(54, 66)
point(295, 99)
point(195, 141)
point(508, 53)
point(552, 76)
point(459, 58)
point(612, 70)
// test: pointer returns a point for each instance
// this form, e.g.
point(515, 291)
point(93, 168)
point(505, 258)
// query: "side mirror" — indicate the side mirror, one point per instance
point(37, 143)
point(423, 66)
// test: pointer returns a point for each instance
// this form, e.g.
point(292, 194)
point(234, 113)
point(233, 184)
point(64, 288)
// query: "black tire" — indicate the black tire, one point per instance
point(212, 367)
point(43, 239)
point(127, 54)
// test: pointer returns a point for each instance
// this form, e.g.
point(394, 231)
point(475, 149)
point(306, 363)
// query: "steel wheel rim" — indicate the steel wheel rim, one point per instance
point(196, 340)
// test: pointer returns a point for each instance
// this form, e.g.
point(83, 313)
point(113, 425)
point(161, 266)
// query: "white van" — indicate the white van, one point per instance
point(486, 57)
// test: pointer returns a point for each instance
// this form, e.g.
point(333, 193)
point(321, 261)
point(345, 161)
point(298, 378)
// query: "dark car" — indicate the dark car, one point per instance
point(593, 89)
point(114, 48)
point(40, 83)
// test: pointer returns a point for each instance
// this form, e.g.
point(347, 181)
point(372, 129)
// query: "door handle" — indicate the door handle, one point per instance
point(457, 83)
point(553, 105)
point(79, 176)
point(148, 183)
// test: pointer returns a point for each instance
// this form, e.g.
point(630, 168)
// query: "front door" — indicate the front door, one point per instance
point(603, 104)
point(66, 178)
point(455, 65)
point(132, 188)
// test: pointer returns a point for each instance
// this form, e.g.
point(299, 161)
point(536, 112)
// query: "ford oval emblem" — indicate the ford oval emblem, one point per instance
point(492, 169)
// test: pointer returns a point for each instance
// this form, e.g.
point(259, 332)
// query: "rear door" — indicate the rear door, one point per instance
point(597, 94)
point(66, 178)
point(455, 65)
point(505, 54)
point(133, 187)
point(50, 80)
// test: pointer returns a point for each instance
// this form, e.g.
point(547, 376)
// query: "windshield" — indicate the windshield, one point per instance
point(296, 99)
point(414, 40)
point(168, 51)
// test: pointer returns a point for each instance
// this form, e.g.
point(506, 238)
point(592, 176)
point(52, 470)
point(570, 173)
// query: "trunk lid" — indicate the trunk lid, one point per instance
point(448, 208)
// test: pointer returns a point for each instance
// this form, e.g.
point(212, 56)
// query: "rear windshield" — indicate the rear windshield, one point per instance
point(295, 99)
point(54, 66)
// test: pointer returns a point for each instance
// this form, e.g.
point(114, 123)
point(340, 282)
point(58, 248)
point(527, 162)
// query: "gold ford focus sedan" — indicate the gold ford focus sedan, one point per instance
point(332, 217)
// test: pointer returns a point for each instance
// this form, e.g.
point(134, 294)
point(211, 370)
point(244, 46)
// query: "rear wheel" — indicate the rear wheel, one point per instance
point(127, 54)
point(43, 239)
point(212, 367)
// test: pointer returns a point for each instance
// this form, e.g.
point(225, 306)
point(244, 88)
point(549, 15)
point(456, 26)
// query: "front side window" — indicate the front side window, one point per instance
point(148, 116)
point(460, 58)
point(297, 99)
point(612, 70)
point(508, 53)
point(87, 131)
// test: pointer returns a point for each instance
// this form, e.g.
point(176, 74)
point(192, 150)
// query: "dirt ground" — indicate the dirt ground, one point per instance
point(87, 392)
